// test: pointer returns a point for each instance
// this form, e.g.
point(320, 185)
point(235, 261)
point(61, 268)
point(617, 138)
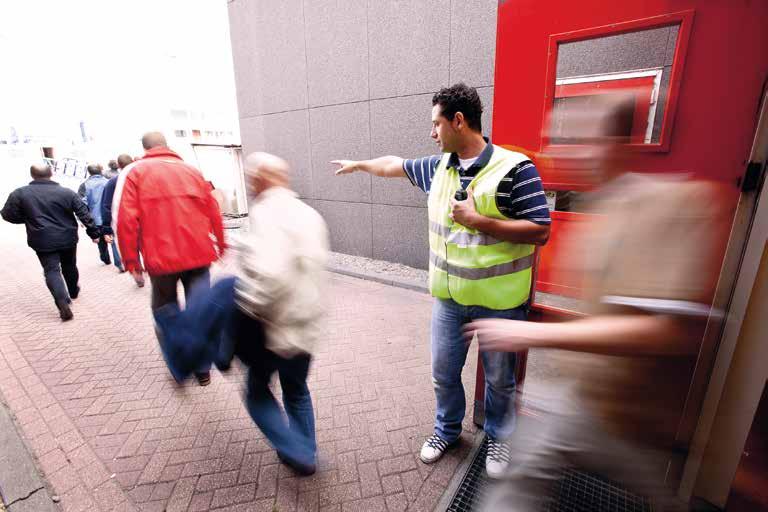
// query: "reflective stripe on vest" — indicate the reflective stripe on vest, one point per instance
point(470, 267)
point(474, 274)
point(462, 237)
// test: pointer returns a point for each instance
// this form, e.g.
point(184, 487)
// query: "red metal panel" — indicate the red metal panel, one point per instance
point(559, 281)
point(725, 65)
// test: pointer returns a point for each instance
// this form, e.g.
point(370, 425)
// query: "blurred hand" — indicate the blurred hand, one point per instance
point(464, 212)
point(109, 239)
point(138, 277)
point(500, 335)
point(345, 166)
point(95, 240)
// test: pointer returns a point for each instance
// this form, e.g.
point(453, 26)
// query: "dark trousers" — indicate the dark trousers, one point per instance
point(293, 439)
point(164, 286)
point(164, 292)
point(61, 275)
point(104, 251)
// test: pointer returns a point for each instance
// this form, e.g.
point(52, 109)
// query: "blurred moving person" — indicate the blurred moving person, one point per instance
point(123, 161)
point(167, 219)
point(279, 290)
point(48, 212)
point(92, 190)
point(650, 265)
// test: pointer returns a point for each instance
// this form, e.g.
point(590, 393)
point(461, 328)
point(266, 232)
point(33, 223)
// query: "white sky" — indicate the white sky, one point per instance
point(120, 66)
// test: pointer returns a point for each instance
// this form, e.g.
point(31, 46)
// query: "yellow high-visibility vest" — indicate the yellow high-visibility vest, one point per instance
point(470, 267)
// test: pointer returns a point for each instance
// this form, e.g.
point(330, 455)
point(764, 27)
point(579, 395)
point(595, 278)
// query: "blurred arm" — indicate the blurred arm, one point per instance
point(214, 213)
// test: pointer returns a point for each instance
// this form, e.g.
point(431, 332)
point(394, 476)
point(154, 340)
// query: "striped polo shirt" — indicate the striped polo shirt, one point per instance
point(520, 195)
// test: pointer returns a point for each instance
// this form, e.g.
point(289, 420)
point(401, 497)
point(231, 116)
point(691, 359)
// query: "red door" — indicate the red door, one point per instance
point(697, 68)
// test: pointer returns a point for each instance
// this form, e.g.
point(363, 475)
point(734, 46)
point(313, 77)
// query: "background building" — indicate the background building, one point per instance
point(333, 79)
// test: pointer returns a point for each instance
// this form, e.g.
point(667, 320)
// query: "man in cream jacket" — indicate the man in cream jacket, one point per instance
point(279, 297)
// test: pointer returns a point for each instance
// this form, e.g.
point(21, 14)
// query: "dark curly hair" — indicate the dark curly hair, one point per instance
point(460, 98)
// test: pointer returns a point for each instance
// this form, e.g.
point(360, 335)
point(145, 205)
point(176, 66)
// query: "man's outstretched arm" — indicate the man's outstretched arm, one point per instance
point(384, 167)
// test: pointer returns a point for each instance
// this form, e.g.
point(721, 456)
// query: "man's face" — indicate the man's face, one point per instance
point(443, 131)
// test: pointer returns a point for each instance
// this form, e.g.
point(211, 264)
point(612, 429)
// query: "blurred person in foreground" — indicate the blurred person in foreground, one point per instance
point(269, 315)
point(48, 211)
point(92, 190)
point(168, 224)
point(650, 264)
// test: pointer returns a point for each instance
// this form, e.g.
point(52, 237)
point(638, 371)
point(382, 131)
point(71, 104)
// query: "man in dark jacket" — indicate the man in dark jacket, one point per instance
point(48, 211)
point(107, 196)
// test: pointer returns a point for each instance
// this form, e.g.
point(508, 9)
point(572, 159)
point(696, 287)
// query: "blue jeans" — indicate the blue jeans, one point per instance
point(294, 439)
point(116, 256)
point(449, 353)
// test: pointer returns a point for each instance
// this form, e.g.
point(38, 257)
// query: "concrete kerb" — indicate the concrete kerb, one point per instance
point(22, 487)
point(400, 282)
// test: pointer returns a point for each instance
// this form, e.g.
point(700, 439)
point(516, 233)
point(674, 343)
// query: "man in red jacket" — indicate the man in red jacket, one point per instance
point(165, 218)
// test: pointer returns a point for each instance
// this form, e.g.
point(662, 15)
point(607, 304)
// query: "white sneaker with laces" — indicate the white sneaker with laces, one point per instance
point(497, 458)
point(432, 449)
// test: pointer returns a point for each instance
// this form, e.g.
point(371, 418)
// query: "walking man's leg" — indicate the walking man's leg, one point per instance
point(499, 404)
point(449, 353)
point(294, 448)
point(69, 271)
point(298, 403)
point(116, 257)
point(51, 263)
point(103, 251)
point(195, 279)
point(163, 290)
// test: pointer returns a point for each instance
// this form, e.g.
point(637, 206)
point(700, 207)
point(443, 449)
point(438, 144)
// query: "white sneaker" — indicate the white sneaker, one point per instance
point(497, 458)
point(432, 449)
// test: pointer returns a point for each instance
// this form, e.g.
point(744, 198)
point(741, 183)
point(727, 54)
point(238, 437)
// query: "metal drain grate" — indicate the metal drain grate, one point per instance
point(472, 487)
point(576, 491)
point(583, 492)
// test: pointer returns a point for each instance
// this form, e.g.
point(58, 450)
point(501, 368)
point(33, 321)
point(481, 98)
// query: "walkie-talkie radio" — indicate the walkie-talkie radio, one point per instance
point(461, 195)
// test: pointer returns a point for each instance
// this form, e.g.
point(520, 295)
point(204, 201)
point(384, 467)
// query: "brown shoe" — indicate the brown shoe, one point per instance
point(65, 313)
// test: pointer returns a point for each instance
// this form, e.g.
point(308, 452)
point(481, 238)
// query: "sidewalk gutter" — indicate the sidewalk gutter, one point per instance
point(400, 282)
point(461, 471)
point(22, 489)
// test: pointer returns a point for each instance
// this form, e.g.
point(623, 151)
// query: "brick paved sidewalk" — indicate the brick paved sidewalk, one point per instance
point(111, 430)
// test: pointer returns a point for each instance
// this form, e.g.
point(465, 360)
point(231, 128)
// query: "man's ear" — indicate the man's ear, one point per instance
point(458, 120)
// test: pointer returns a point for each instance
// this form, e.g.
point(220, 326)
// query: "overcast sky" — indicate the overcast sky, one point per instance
point(118, 65)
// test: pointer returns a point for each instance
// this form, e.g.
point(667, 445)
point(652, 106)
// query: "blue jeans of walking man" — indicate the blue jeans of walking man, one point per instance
point(449, 353)
point(292, 435)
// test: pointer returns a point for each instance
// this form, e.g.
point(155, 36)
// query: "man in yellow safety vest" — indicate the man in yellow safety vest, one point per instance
point(487, 211)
